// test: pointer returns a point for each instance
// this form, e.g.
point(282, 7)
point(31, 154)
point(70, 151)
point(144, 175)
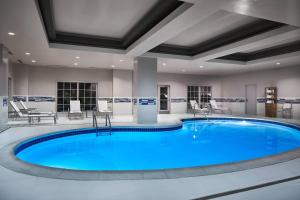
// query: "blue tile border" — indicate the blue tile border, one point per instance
point(134, 101)
point(5, 102)
point(230, 99)
point(17, 98)
point(122, 100)
point(280, 100)
point(147, 101)
point(41, 99)
point(108, 99)
point(178, 100)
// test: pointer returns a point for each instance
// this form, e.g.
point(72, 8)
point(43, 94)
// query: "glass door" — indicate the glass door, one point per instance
point(164, 99)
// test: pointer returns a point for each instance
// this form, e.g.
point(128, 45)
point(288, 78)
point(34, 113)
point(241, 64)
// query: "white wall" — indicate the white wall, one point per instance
point(40, 80)
point(287, 81)
point(122, 89)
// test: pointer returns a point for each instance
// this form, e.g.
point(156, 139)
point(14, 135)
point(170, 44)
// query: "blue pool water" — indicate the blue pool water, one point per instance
point(197, 143)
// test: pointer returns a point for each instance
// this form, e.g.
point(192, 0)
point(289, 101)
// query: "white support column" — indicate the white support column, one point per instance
point(3, 88)
point(145, 90)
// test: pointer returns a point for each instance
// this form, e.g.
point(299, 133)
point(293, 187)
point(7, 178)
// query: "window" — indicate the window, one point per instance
point(85, 92)
point(202, 94)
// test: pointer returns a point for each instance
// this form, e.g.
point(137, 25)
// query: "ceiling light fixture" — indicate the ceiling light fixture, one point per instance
point(112, 66)
point(201, 66)
point(11, 34)
point(164, 64)
point(278, 63)
point(27, 54)
point(75, 64)
point(77, 57)
point(121, 60)
point(34, 61)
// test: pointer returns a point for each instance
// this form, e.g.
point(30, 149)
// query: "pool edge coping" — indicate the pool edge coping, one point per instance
point(10, 161)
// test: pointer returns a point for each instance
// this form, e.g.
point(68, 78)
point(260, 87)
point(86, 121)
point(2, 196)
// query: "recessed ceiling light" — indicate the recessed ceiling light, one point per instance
point(201, 66)
point(75, 64)
point(27, 53)
point(77, 57)
point(278, 63)
point(112, 66)
point(34, 61)
point(121, 60)
point(11, 34)
point(164, 64)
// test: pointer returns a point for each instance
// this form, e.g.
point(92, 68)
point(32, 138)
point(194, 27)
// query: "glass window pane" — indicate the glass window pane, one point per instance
point(60, 108)
point(81, 100)
point(66, 100)
point(67, 85)
point(81, 93)
point(66, 93)
point(93, 94)
point(87, 107)
point(74, 93)
point(60, 93)
point(94, 86)
point(88, 86)
point(66, 108)
point(59, 100)
point(87, 93)
point(81, 86)
point(74, 86)
point(87, 100)
point(60, 85)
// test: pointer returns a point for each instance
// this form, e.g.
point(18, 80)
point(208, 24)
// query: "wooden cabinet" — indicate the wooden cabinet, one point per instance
point(271, 101)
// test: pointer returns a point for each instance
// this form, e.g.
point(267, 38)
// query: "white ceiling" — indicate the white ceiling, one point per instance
point(216, 24)
point(110, 18)
point(275, 43)
point(22, 18)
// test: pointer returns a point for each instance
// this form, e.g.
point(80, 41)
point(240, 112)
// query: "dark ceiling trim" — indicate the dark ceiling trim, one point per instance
point(156, 14)
point(46, 10)
point(264, 53)
point(88, 40)
point(255, 28)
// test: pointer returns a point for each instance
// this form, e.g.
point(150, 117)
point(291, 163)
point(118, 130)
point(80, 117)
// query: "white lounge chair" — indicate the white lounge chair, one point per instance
point(102, 107)
point(196, 109)
point(30, 116)
point(25, 108)
point(215, 107)
point(75, 109)
point(286, 110)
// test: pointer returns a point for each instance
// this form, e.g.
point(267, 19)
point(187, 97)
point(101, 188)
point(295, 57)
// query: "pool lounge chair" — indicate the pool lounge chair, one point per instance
point(286, 110)
point(30, 116)
point(75, 110)
point(196, 109)
point(34, 110)
point(25, 108)
point(215, 107)
point(102, 108)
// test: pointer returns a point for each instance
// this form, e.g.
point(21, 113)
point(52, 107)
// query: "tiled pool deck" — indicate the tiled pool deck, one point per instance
point(14, 185)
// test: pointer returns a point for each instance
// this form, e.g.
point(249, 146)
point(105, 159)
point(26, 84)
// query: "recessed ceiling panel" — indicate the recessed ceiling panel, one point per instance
point(219, 23)
point(108, 18)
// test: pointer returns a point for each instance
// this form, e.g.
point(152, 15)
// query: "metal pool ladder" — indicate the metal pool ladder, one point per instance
point(107, 122)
